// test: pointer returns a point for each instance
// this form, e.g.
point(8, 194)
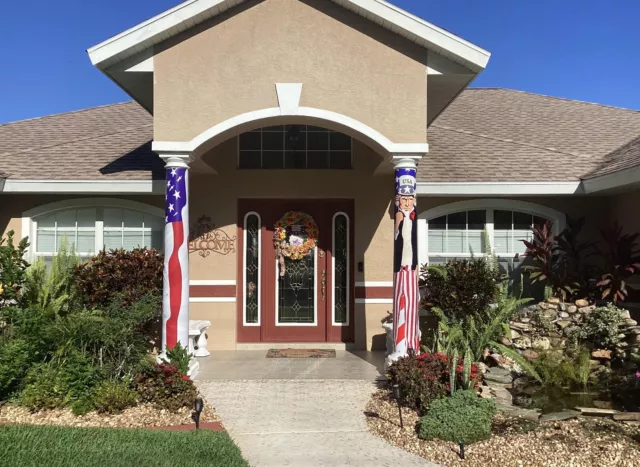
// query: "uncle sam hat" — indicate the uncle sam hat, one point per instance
point(406, 182)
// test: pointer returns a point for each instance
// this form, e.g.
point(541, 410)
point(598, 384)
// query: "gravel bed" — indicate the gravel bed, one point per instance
point(141, 416)
point(578, 442)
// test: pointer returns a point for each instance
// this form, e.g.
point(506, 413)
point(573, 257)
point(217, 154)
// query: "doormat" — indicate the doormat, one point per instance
point(301, 353)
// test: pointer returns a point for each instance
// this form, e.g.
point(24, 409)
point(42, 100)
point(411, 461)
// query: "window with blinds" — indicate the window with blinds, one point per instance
point(89, 230)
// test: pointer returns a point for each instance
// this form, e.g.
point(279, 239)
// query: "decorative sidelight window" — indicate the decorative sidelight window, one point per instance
point(251, 269)
point(340, 270)
point(294, 147)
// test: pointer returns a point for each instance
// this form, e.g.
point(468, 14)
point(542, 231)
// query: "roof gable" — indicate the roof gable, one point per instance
point(192, 12)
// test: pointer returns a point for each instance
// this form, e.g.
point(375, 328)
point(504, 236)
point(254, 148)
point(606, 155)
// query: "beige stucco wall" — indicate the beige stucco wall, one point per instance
point(229, 66)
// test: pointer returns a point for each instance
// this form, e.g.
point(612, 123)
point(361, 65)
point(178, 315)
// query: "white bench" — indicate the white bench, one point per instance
point(198, 337)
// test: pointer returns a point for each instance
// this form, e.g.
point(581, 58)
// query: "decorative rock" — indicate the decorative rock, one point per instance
point(498, 375)
point(563, 323)
point(559, 416)
point(502, 396)
point(525, 320)
point(552, 306)
point(602, 404)
point(530, 354)
point(594, 363)
point(635, 339)
point(550, 314)
point(596, 411)
point(624, 314)
point(562, 306)
point(522, 343)
point(633, 330)
point(558, 343)
point(581, 303)
point(543, 305)
point(586, 309)
point(557, 335)
point(627, 417)
point(542, 343)
point(521, 326)
point(572, 309)
point(553, 300)
point(601, 354)
point(514, 334)
point(630, 322)
point(482, 368)
point(563, 314)
point(505, 341)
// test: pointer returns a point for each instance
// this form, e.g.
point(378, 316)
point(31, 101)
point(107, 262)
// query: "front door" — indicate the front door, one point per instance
point(298, 288)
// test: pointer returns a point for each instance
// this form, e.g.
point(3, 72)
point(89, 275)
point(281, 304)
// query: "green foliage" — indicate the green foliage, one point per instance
point(113, 396)
point(462, 289)
point(49, 291)
point(477, 331)
point(527, 367)
point(452, 372)
point(58, 384)
point(12, 269)
point(621, 261)
point(427, 377)
point(180, 357)
point(600, 328)
point(16, 356)
point(166, 387)
point(125, 275)
point(466, 369)
point(114, 339)
point(463, 417)
point(559, 371)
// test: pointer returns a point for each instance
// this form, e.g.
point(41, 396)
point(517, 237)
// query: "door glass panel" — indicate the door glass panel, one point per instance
point(340, 269)
point(252, 268)
point(296, 290)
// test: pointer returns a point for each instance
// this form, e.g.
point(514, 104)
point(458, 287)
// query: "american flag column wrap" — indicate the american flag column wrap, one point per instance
point(175, 297)
point(406, 296)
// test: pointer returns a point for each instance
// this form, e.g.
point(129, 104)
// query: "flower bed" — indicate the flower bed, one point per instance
point(513, 441)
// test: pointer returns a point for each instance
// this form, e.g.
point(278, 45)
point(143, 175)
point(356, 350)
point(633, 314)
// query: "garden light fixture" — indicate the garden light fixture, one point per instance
point(397, 393)
point(198, 406)
point(461, 444)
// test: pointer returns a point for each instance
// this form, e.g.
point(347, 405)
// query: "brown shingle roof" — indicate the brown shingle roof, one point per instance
point(484, 135)
point(109, 142)
point(502, 134)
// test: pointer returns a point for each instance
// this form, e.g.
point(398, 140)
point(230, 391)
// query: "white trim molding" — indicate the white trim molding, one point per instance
point(380, 301)
point(375, 284)
point(212, 299)
point(192, 12)
point(498, 188)
point(207, 139)
point(612, 181)
point(84, 186)
point(212, 282)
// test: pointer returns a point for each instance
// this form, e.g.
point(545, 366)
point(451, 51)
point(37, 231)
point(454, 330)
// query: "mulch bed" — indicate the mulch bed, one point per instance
point(515, 442)
point(140, 416)
point(301, 353)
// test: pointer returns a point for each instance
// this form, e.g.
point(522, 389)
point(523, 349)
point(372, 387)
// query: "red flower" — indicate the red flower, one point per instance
point(185, 378)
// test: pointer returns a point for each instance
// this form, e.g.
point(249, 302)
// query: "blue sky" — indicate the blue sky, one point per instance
point(579, 49)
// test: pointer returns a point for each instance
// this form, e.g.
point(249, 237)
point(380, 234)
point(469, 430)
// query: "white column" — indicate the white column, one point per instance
point(175, 296)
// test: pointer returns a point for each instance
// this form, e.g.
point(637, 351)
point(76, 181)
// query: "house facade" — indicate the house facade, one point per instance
point(248, 116)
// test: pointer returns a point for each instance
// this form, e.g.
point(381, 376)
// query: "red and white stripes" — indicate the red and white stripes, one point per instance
point(406, 326)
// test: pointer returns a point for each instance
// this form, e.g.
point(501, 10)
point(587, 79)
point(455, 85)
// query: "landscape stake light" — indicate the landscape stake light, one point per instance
point(198, 406)
point(461, 444)
point(411, 352)
point(397, 394)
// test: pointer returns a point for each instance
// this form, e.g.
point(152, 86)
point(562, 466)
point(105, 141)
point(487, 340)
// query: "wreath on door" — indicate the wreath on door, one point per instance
point(295, 235)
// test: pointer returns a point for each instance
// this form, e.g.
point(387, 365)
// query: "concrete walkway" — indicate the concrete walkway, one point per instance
point(283, 412)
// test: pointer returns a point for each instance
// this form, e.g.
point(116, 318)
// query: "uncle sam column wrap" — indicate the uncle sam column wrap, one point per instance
point(406, 296)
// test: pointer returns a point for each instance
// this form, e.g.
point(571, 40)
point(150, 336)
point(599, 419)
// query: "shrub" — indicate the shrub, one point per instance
point(49, 291)
point(12, 269)
point(113, 396)
point(425, 378)
point(558, 371)
point(599, 328)
point(622, 260)
point(128, 274)
point(58, 383)
point(460, 288)
point(462, 417)
point(166, 387)
point(16, 356)
point(180, 357)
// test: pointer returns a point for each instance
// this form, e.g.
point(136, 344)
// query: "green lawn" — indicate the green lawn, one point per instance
point(45, 446)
